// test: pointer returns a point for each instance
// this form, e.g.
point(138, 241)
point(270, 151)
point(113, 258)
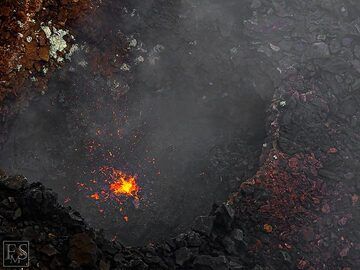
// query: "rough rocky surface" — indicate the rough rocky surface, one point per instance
point(300, 210)
point(28, 54)
point(24, 47)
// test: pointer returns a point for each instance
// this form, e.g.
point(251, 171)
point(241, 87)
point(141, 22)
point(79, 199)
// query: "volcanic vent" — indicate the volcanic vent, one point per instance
point(141, 145)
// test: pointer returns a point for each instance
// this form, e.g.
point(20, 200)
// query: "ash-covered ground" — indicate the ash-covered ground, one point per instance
point(185, 113)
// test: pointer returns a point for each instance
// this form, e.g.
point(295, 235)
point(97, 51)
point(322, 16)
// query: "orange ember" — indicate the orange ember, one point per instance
point(95, 196)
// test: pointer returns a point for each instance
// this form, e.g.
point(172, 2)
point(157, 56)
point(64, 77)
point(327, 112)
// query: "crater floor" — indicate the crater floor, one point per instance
point(183, 113)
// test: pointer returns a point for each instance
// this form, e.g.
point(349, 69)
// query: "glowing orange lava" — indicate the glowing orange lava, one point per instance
point(113, 186)
point(123, 184)
point(95, 196)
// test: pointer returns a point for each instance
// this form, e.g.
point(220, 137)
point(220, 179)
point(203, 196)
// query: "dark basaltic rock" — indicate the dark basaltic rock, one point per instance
point(30, 233)
point(335, 46)
point(104, 265)
point(236, 266)
point(17, 213)
point(138, 264)
point(56, 263)
point(39, 199)
point(357, 51)
point(14, 182)
point(203, 224)
point(49, 250)
point(224, 216)
point(229, 245)
point(237, 235)
point(206, 262)
point(182, 256)
point(83, 250)
point(193, 239)
point(318, 50)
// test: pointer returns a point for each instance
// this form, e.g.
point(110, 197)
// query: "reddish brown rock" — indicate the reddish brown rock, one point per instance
point(20, 47)
point(44, 53)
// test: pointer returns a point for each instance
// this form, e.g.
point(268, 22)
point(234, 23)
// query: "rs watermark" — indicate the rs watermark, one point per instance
point(16, 253)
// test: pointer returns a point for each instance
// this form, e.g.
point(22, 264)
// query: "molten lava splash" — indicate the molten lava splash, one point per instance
point(119, 183)
point(95, 196)
point(123, 184)
point(112, 187)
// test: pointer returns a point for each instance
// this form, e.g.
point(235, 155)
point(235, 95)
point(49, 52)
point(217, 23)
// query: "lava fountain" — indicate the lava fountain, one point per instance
point(114, 185)
point(122, 184)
